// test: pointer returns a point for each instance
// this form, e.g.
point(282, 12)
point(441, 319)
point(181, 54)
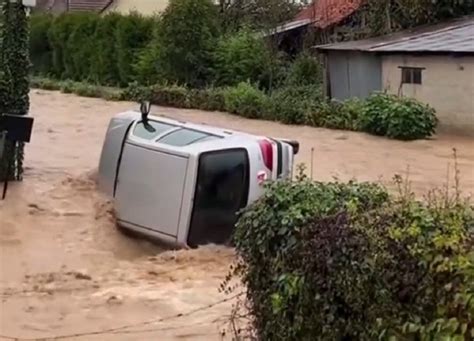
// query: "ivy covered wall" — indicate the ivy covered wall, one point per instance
point(14, 87)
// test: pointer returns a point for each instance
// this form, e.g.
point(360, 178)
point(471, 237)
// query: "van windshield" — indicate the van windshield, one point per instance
point(221, 191)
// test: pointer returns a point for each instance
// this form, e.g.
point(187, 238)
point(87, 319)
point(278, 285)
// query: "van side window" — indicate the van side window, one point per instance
point(151, 130)
point(221, 191)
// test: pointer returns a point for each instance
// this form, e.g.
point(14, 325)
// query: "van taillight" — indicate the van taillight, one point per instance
point(267, 153)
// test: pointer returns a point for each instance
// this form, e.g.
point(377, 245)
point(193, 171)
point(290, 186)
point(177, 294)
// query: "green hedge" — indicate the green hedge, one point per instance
point(349, 262)
point(88, 47)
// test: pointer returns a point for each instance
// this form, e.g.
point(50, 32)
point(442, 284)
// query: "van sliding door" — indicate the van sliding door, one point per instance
point(221, 191)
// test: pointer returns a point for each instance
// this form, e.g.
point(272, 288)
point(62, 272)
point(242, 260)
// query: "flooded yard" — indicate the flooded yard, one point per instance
point(66, 272)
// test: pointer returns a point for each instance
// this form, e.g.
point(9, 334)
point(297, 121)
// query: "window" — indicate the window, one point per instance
point(151, 130)
point(183, 137)
point(411, 75)
point(221, 191)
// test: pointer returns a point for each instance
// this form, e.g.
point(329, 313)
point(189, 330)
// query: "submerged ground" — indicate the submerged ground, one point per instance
point(65, 270)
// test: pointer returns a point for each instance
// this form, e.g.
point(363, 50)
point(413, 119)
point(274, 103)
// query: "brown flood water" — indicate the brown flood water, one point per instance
point(64, 269)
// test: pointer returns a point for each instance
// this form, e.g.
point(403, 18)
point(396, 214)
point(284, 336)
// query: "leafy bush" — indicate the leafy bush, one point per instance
point(338, 115)
point(211, 99)
point(397, 117)
point(187, 35)
point(170, 96)
point(349, 262)
point(305, 70)
point(40, 48)
point(44, 83)
point(104, 65)
point(295, 104)
point(132, 34)
point(58, 35)
point(246, 100)
point(136, 92)
point(239, 58)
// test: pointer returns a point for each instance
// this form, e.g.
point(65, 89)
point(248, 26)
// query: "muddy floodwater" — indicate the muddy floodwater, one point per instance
point(66, 271)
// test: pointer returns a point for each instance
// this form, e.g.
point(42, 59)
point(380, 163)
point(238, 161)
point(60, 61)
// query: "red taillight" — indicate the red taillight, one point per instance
point(267, 153)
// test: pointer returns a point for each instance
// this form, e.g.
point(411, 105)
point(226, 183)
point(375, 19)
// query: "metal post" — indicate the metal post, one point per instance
point(3, 137)
point(7, 175)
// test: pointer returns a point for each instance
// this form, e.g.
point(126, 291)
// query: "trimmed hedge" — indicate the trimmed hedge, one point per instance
point(88, 47)
point(334, 261)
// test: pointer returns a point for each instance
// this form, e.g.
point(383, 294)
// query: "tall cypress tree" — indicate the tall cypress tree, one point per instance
point(14, 87)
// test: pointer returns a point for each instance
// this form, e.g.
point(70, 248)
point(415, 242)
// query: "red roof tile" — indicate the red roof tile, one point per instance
point(325, 13)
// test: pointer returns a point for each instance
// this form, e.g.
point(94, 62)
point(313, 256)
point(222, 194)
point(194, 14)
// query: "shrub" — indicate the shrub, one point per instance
point(338, 115)
point(187, 36)
point(136, 92)
point(240, 57)
point(58, 34)
point(40, 48)
point(80, 47)
point(305, 70)
point(246, 100)
point(133, 33)
point(294, 104)
point(349, 262)
point(397, 117)
point(44, 83)
point(104, 64)
point(211, 99)
point(170, 96)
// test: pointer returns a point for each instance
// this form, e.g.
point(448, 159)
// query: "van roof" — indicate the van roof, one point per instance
point(184, 136)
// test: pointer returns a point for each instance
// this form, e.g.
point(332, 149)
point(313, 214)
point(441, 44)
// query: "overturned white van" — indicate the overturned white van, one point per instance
point(184, 183)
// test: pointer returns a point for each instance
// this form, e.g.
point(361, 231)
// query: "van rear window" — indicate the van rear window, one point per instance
point(184, 137)
point(151, 130)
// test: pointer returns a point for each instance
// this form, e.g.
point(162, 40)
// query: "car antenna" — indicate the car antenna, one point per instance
point(145, 110)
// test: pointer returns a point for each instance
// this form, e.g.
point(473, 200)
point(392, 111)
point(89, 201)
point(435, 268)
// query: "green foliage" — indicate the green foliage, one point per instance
point(305, 70)
point(338, 115)
point(133, 33)
point(211, 99)
point(246, 100)
point(40, 48)
point(241, 57)
point(349, 262)
point(187, 36)
point(387, 16)
point(104, 64)
point(257, 14)
point(80, 47)
point(170, 96)
point(397, 117)
point(58, 35)
point(146, 67)
point(295, 104)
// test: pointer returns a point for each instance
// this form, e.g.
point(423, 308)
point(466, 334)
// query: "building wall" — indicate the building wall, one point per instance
point(145, 7)
point(353, 74)
point(447, 85)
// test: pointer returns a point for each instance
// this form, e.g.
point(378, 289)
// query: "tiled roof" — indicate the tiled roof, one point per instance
point(325, 13)
point(89, 5)
point(455, 36)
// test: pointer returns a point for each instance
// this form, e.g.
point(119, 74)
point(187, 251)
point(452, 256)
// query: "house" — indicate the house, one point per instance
point(434, 64)
point(323, 21)
point(145, 7)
